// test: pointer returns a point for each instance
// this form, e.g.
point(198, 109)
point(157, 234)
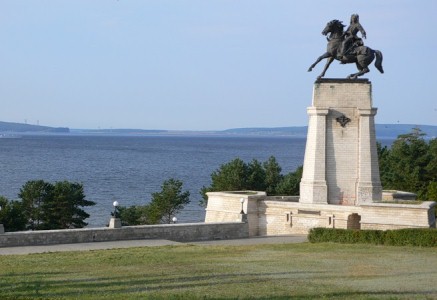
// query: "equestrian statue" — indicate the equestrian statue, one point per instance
point(348, 48)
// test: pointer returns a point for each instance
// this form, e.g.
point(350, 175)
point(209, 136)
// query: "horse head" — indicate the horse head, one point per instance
point(333, 27)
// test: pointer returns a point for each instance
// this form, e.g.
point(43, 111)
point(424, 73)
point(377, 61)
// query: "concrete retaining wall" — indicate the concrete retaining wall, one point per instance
point(174, 232)
point(279, 216)
point(397, 216)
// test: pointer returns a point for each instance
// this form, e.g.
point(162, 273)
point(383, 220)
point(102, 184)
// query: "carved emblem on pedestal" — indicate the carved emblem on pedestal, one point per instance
point(343, 120)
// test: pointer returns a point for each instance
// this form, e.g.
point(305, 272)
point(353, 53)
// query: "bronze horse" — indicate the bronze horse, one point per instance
point(356, 53)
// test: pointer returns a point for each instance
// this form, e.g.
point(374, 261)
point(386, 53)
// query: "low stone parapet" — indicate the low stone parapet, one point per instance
point(384, 216)
point(284, 215)
point(175, 232)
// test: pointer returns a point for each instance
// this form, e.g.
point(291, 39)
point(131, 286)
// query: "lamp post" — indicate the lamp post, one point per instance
point(174, 220)
point(115, 204)
point(115, 222)
point(242, 202)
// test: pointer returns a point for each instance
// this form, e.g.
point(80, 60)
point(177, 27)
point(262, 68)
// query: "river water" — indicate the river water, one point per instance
point(129, 168)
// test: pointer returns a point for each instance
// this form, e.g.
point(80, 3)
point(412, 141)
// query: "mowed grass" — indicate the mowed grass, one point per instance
point(301, 271)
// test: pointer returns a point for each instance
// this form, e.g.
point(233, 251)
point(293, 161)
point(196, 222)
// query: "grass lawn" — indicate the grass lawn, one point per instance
point(302, 271)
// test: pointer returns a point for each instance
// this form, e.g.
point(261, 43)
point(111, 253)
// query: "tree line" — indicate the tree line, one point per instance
point(410, 164)
point(44, 205)
point(267, 176)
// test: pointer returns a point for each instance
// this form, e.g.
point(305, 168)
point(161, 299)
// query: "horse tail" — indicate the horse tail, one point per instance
point(378, 62)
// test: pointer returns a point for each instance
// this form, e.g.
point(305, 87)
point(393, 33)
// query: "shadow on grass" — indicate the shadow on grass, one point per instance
point(46, 287)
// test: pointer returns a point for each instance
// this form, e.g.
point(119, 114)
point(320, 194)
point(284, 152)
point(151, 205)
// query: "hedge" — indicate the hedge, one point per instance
point(401, 237)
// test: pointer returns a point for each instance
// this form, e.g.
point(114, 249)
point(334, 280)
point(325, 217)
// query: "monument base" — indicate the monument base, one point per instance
point(313, 192)
point(367, 192)
point(341, 160)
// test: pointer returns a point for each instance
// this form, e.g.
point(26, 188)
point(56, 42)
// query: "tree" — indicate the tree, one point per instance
point(53, 206)
point(64, 209)
point(431, 193)
point(289, 185)
point(236, 175)
point(431, 168)
point(231, 176)
point(168, 202)
point(34, 194)
point(273, 175)
point(410, 164)
point(162, 208)
point(11, 215)
point(135, 215)
point(256, 176)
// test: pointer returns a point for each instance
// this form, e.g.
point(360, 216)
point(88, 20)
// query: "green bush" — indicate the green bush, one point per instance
point(401, 237)
point(412, 237)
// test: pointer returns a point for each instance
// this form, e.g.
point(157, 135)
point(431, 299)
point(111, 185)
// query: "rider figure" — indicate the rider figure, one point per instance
point(351, 38)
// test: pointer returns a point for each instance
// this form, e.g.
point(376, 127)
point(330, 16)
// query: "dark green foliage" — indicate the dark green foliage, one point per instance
point(273, 175)
point(168, 202)
point(135, 215)
point(289, 184)
point(256, 175)
point(53, 206)
point(64, 209)
point(231, 176)
point(410, 165)
point(431, 168)
point(401, 237)
point(162, 208)
point(431, 191)
point(411, 237)
point(236, 175)
point(11, 215)
point(33, 195)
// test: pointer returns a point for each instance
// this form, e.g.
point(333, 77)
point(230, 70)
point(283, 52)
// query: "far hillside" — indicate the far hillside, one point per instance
point(9, 127)
point(383, 131)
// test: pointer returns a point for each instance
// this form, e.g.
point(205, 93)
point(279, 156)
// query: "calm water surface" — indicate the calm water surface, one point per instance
point(129, 168)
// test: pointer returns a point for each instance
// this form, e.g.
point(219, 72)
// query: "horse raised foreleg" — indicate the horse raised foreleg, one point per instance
point(323, 56)
point(328, 62)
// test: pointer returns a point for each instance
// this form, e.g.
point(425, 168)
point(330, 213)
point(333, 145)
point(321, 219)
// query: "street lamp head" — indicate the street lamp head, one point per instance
point(241, 200)
point(115, 204)
point(174, 219)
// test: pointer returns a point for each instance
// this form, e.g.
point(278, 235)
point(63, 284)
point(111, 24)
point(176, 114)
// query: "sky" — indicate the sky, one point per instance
point(203, 65)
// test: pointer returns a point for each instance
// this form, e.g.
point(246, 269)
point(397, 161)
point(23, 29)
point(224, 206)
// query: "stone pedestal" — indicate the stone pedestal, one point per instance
point(114, 223)
point(313, 188)
point(2, 229)
point(341, 163)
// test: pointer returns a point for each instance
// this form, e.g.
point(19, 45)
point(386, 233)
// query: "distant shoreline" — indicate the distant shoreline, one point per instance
point(382, 131)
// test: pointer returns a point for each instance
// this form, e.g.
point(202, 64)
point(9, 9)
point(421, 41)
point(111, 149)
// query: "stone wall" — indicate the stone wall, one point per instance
point(174, 232)
point(396, 216)
point(279, 217)
point(284, 215)
point(226, 207)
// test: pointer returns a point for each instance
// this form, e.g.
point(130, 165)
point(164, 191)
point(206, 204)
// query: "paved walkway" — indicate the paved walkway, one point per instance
point(148, 243)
